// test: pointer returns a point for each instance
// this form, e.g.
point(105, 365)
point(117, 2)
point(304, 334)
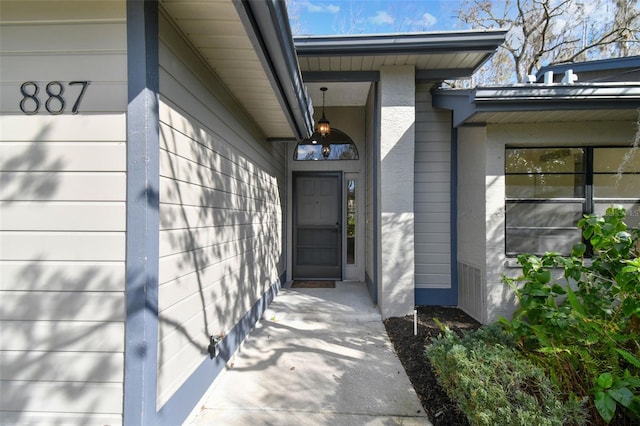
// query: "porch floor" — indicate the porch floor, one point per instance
point(318, 356)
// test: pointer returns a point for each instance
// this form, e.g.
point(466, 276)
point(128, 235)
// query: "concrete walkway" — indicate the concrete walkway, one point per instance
point(317, 357)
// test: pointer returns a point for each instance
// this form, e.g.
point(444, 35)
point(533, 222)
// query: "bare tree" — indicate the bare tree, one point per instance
point(543, 32)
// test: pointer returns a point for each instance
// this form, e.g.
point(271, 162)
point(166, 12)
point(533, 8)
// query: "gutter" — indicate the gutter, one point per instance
point(267, 25)
point(406, 44)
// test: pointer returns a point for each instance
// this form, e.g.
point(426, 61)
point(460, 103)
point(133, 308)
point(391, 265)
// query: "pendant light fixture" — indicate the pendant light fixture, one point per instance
point(323, 124)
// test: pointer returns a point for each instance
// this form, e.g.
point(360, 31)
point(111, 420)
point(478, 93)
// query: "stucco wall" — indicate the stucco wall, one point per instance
point(222, 189)
point(472, 235)
point(500, 300)
point(397, 147)
point(63, 212)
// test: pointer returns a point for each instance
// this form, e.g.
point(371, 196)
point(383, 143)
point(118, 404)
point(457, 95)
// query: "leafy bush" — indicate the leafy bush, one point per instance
point(584, 329)
point(570, 341)
point(495, 384)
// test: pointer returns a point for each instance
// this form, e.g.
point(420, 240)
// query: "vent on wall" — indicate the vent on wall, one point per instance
point(470, 294)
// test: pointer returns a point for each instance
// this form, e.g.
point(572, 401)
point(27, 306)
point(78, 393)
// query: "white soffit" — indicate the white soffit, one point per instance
point(215, 30)
point(432, 61)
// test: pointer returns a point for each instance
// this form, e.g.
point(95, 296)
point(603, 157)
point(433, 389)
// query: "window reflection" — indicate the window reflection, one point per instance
point(335, 146)
point(549, 189)
point(351, 221)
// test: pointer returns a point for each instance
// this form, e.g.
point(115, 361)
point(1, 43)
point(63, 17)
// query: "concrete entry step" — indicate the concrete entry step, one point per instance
point(348, 301)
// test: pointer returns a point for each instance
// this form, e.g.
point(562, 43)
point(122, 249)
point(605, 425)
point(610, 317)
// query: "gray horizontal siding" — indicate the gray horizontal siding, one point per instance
point(63, 212)
point(221, 215)
point(432, 199)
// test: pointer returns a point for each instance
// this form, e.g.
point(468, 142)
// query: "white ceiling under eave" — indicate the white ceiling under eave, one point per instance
point(216, 31)
point(441, 66)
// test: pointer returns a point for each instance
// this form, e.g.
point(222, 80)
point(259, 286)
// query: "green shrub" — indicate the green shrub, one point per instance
point(584, 329)
point(494, 384)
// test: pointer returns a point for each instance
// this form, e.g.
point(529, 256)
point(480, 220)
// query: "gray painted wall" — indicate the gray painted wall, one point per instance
point(222, 189)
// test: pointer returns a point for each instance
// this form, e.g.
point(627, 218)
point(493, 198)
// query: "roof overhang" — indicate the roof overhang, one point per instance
point(541, 103)
point(249, 47)
point(436, 56)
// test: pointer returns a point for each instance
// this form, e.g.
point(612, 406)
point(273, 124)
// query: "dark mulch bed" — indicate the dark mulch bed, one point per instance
point(410, 350)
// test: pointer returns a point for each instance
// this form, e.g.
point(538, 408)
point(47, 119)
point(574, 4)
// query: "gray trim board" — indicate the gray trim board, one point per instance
point(143, 150)
point(267, 25)
point(376, 186)
point(184, 400)
point(453, 218)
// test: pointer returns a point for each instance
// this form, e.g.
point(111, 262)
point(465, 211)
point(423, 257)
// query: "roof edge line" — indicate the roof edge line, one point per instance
point(400, 43)
point(267, 24)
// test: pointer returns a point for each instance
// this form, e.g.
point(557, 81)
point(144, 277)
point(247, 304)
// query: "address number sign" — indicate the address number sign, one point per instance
point(54, 100)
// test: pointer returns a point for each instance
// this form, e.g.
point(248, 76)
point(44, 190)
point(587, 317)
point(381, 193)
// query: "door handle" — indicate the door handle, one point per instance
point(338, 227)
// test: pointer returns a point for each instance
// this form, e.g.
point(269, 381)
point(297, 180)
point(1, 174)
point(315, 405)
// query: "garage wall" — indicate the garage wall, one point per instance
point(62, 211)
point(222, 189)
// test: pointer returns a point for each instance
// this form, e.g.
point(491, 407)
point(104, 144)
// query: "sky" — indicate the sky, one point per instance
point(322, 17)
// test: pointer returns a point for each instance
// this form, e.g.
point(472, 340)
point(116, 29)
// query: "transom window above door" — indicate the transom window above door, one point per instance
point(336, 145)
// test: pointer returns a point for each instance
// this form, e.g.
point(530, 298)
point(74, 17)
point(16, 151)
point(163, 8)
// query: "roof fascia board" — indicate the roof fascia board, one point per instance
point(416, 43)
point(267, 25)
point(460, 102)
point(465, 104)
point(340, 76)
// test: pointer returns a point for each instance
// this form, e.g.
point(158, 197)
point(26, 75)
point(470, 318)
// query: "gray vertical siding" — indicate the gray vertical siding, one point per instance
point(432, 194)
point(63, 214)
point(222, 188)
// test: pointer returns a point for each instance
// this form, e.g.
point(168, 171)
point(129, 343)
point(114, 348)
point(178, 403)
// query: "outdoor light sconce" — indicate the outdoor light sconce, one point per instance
point(326, 150)
point(214, 346)
point(323, 127)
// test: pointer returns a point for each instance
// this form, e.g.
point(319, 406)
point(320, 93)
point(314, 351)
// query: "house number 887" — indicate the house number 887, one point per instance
point(54, 103)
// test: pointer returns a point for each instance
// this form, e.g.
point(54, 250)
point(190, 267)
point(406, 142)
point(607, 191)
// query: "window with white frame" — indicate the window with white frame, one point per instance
point(549, 189)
